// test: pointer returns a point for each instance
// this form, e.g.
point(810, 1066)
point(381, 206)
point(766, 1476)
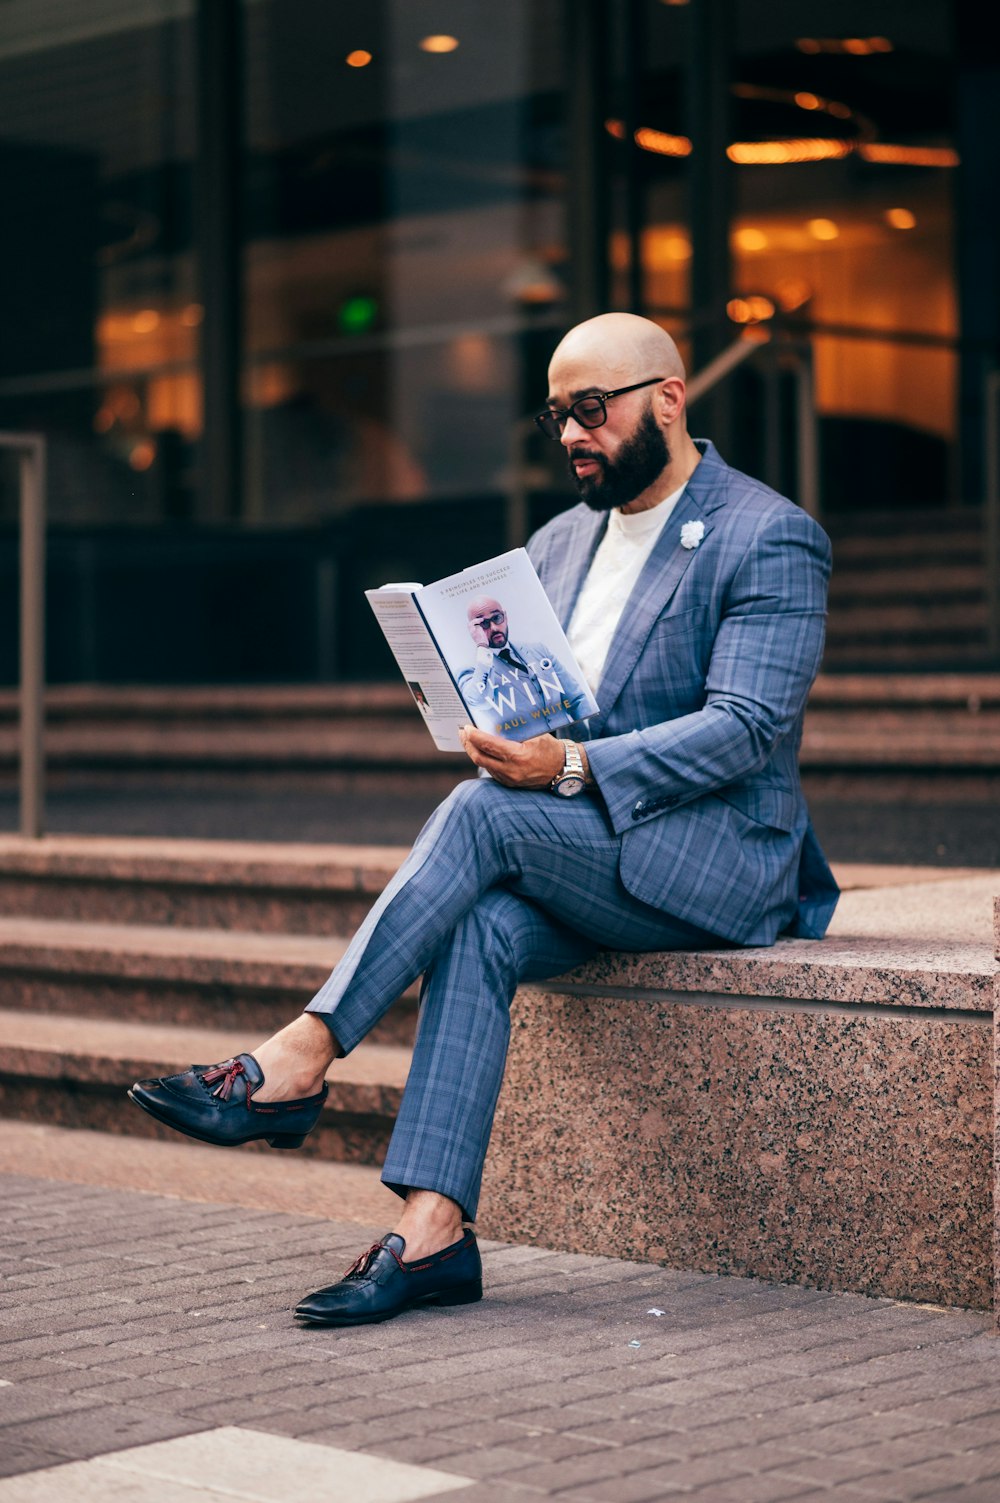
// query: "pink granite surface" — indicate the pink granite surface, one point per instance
point(309, 889)
point(844, 1152)
point(819, 1112)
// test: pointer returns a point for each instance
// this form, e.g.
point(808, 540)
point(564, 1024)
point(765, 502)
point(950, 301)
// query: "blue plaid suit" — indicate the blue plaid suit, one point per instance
point(698, 834)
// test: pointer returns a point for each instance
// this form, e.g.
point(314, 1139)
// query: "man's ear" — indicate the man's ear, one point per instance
point(671, 394)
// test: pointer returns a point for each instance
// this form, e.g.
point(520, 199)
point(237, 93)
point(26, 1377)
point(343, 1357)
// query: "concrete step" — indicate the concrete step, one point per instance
point(903, 737)
point(929, 619)
point(73, 1072)
point(187, 1170)
point(173, 739)
point(933, 579)
point(163, 975)
point(268, 888)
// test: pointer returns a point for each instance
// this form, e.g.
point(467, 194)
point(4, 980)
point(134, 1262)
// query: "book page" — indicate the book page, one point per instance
point(426, 676)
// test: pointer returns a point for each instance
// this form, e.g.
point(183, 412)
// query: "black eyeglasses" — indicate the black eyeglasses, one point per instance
point(589, 412)
point(493, 620)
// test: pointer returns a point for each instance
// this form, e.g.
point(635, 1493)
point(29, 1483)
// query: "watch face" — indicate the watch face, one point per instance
point(569, 785)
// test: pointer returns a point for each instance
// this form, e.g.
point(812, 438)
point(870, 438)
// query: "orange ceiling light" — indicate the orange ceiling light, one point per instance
point(909, 156)
point(823, 229)
point(661, 143)
point(439, 42)
point(359, 58)
point(844, 46)
point(901, 219)
point(785, 153)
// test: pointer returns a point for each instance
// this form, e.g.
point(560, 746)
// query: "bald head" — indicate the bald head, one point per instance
point(616, 349)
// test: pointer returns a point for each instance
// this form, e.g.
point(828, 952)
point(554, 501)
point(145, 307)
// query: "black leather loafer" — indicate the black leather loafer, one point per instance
point(380, 1284)
point(202, 1103)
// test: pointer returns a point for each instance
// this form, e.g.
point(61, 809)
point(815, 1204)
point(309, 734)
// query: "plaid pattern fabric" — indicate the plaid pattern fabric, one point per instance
point(695, 749)
point(700, 834)
point(495, 891)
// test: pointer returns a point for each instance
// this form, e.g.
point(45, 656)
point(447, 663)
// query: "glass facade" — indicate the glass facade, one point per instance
point(281, 279)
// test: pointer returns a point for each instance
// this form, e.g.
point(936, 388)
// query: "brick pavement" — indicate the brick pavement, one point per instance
point(128, 1320)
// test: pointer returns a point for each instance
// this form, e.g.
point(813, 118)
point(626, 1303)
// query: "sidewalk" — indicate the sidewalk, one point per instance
point(155, 1335)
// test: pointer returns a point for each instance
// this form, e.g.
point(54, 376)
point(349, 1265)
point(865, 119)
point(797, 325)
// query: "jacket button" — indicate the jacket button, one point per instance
point(638, 811)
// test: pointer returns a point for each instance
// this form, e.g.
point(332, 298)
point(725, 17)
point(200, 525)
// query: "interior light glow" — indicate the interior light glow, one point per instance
point(677, 248)
point(146, 321)
point(192, 315)
point(807, 101)
point(750, 310)
point(909, 156)
point(901, 219)
point(439, 42)
point(844, 46)
point(782, 153)
point(750, 239)
point(823, 229)
point(792, 293)
point(662, 143)
point(143, 454)
point(615, 128)
point(358, 59)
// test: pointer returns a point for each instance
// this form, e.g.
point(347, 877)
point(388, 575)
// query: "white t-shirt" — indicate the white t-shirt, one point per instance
point(617, 564)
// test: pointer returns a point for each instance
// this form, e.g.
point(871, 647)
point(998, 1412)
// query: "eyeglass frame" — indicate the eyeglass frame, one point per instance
point(493, 619)
point(561, 415)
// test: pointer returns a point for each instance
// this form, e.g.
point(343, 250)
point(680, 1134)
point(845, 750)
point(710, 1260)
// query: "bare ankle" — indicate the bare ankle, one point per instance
point(295, 1060)
point(429, 1223)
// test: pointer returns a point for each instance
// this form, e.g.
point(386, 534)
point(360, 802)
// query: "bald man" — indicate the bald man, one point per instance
point(694, 599)
point(509, 681)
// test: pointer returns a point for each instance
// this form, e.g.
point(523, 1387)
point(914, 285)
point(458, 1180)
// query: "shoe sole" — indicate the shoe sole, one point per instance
point(462, 1294)
point(278, 1140)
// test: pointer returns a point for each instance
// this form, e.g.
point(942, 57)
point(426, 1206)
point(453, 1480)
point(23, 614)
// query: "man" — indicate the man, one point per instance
point(695, 601)
point(507, 682)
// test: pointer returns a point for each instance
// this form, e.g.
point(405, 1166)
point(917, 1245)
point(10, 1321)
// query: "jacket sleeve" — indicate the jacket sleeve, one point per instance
point(766, 653)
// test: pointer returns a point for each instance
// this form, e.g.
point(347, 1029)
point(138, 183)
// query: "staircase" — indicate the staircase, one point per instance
point(908, 592)
point(125, 959)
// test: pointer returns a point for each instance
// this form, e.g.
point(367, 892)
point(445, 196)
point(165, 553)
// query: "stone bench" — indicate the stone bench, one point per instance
point(818, 1113)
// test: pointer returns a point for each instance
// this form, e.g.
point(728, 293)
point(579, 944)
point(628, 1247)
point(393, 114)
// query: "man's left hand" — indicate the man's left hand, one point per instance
point(516, 764)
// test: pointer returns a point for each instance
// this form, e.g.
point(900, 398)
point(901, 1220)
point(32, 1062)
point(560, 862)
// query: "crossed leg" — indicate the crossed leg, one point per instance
point(502, 885)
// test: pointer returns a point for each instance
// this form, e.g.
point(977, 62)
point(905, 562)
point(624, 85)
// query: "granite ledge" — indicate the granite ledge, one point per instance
point(896, 973)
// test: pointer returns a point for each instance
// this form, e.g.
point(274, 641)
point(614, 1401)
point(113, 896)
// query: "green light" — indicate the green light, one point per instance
point(357, 315)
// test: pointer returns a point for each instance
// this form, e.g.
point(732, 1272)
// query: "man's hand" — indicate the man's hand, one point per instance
point(516, 764)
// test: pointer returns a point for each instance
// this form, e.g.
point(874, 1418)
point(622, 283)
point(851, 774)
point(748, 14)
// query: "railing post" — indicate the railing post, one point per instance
point(991, 400)
point(807, 428)
point(30, 449)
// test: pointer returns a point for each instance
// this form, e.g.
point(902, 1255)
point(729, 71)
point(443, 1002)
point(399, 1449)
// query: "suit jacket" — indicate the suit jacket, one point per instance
point(695, 746)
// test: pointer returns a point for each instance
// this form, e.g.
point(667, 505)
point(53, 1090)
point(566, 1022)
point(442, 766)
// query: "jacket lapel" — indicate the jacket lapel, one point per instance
point(662, 572)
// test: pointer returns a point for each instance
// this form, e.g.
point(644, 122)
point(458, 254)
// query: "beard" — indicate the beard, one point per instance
point(641, 458)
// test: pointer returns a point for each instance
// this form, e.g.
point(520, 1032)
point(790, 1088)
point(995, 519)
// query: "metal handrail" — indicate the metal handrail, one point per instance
point(30, 449)
point(736, 354)
point(991, 401)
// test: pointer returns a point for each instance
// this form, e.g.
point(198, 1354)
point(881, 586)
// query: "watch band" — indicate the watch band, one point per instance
point(572, 768)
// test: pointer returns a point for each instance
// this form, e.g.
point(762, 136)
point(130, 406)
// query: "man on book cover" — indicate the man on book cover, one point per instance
point(694, 600)
point(512, 689)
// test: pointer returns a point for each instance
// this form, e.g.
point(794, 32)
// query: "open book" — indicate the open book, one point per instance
point(485, 646)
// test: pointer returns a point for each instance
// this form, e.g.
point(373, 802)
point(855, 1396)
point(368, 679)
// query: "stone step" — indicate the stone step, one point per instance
point(164, 975)
point(186, 1170)
point(311, 890)
point(928, 619)
point(961, 580)
point(73, 1072)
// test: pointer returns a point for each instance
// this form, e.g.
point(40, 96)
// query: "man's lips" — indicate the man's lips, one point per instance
point(583, 465)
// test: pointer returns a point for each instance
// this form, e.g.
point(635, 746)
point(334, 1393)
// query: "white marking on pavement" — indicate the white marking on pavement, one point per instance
point(231, 1464)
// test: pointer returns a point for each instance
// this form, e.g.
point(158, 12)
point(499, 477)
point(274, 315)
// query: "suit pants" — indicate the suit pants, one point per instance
point(502, 886)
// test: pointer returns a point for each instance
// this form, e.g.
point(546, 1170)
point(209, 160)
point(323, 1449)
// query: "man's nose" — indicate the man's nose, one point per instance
point(572, 432)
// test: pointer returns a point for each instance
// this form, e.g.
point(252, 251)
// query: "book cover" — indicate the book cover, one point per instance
point(484, 645)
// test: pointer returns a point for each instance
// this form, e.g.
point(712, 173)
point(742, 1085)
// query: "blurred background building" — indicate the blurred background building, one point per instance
point(279, 281)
